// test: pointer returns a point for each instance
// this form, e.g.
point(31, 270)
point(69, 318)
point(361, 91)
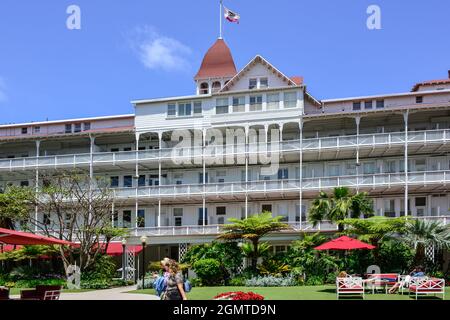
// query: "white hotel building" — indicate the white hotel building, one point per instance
point(394, 146)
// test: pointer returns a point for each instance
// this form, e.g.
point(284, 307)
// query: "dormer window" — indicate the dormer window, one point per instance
point(172, 110)
point(216, 86)
point(253, 83)
point(204, 88)
point(222, 106)
point(263, 83)
point(24, 130)
point(184, 109)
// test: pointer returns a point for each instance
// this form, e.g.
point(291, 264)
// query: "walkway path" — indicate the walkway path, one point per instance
point(108, 294)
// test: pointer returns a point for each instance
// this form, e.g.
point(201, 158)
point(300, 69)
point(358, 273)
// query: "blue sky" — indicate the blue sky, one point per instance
point(136, 49)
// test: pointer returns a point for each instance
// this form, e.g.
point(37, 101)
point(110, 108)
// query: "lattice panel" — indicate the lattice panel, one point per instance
point(130, 267)
point(182, 250)
point(429, 253)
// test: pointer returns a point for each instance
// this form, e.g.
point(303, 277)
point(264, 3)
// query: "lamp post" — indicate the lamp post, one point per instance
point(144, 243)
point(124, 244)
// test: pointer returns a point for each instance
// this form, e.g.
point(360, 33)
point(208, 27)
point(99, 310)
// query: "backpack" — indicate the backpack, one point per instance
point(159, 285)
point(187, 286)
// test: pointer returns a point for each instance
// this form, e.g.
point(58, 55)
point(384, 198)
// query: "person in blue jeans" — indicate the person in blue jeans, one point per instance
point(417, 272)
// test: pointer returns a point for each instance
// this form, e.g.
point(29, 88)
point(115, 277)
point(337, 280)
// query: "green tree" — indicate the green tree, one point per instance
point(339, 206)
point(14, 206)
point(373, 230)
point(228, 254)
point(253, 229)
point(420, 234)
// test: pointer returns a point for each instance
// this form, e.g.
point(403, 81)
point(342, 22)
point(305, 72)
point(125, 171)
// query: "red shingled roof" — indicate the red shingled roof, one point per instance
point(217, 63)
point(429, 83)
point(298, 80)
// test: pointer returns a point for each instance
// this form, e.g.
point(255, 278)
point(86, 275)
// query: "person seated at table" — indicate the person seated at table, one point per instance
point(417, 272)
point(343, 274)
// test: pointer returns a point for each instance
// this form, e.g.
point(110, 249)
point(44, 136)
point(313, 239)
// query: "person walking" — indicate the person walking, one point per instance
point(175, 283)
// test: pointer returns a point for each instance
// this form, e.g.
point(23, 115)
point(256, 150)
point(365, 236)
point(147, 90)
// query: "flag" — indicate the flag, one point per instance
point(231, 16)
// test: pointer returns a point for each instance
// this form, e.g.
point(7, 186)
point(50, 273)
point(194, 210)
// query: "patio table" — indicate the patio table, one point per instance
point(375, 284)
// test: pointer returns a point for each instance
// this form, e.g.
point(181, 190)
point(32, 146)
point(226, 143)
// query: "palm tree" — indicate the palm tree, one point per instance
point(339, 206)
point(421, 234)
point(253, 229)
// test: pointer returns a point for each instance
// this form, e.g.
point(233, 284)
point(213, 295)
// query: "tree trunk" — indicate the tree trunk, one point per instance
point(255, 255)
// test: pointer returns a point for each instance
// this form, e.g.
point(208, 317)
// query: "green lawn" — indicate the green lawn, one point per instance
point(289, 293)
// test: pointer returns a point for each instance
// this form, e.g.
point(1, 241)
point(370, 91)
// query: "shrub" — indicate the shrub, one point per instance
point(208, 271)
point(96, 284)
point(271, 281)
point(154, 266)
point(104, 268)
point(36, 282)
point(314, 280)
point(148, 283)
point(237, 282)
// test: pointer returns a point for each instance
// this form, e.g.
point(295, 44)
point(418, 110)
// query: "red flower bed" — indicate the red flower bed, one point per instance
point(239, 295)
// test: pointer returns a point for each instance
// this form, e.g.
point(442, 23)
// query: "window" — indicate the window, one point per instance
point(264, 83)
point(77, 127)
point(178, 217)
point(204, 88)
point(184, 109)
point(114, 182)
point(141, 148)
point(222, 106)
point(389, 166)
point(290, 99)
point(356, 106)
point(141, 218)
point(36, 129)
point(87, 126)
point(283, 174)
point(200, 177)
point(368, 105)
point(369, 168)
point(243, 213)
point(114, 149)
point(216, 86)
point(178, 177)
point(255, 103)
point(389, 208)
point(141, 181)
point(202, 218)
point(266, 208)
point(24, 130)
point(333, 170)
point(220, 220)
point(421, 164)
point(421, 202)
point(127, 149)
point(171, 110)
point(380, 104)
point(68, 128)
point(127, 181)
point(252, 83)
point(46, 219)
point(419, 99)
point(273, 101)
point(239, 104)
point(221, 211)
point(126, 219)
point(24, 183)
point(115, 219)
point(198, 108)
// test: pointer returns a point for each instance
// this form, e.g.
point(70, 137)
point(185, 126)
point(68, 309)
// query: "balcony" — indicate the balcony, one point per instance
point(375, 183)
point(342, 146)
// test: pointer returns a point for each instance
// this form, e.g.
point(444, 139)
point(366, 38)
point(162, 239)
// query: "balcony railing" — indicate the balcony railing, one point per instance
point(370, 180)
point(315, 144)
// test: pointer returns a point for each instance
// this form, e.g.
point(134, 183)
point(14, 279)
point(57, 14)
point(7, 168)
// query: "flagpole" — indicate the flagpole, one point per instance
point(221, 23)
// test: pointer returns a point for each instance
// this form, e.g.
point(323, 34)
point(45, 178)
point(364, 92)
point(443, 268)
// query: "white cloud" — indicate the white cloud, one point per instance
point(157, 51)
point(3, 96)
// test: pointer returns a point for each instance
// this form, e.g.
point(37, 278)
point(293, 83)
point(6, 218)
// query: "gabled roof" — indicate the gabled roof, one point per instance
point(255, 60)
point(429, 83)
point(217, 63)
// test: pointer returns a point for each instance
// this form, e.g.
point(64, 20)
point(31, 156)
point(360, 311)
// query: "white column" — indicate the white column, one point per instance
point(358, 121)
point(300, 125)
point(38, 146)
point(405, 118)
point(204, 176)
point(159, 177)
point(247, 127)
point(136, 203)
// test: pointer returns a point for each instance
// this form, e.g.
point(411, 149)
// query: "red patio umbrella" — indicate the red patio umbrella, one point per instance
point(344, 243)
point(24, 238)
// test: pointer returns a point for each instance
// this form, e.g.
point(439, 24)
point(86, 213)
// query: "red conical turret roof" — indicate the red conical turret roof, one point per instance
point(217, 63)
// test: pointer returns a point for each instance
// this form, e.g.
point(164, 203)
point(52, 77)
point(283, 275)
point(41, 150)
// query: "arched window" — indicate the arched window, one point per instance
point(216, 86)
point(204, 88)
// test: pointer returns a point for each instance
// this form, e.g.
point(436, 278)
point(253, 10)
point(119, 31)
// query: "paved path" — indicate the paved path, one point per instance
point(108, 294)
